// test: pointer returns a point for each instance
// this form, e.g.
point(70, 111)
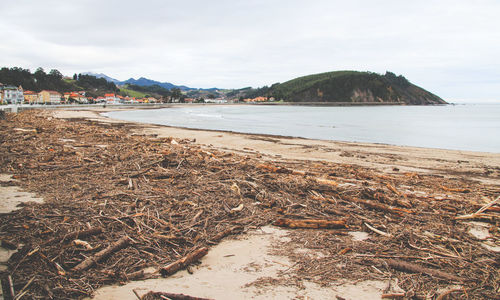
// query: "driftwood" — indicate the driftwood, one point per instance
point(479, 213)
point(159, 295)
point(8, 245)
point(226, 232)
point(75, 235)
point(393, 296)
point(183, 262)
point(103, 254)
point(90, 166)
point(378, 231)
point(7, 287)
point(310, 223)
point(413, 268)
point(447, 294)
point(380, 206)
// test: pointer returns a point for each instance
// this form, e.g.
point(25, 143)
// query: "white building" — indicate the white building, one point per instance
point(12, 95)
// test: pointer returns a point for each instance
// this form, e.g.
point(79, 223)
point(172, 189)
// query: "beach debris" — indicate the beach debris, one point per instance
point(447, 294)
point(8, 245)
point(103, 254)
point(183, 262)
point(161, 295)
point(226, 232)
point(377, 231)
point(310, 223)
point(170, 201)
point(326, 181)
point(380, 206)
point(75, 235)
point(238, 208)
point(235, 188)
point(414, 268)
point(84, 244)
point(457, 190)
point(479, 213)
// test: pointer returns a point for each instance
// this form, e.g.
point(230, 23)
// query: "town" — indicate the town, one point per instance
point(16, 95)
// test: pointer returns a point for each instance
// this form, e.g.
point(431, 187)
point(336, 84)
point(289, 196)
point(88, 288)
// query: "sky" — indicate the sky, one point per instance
point(448, 47)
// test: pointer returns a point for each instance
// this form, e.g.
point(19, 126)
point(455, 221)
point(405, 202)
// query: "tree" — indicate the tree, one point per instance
point(55, 74)
point(175, 93)
point(75, 77)
point(40, 73)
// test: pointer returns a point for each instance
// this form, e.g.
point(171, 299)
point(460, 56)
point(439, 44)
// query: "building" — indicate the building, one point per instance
point(78, 97)
point(112, 99)
point(100, 100)
point(12, 95)
point(217, 100)
point(256, 99)
point(49, 97)
point(30, 97)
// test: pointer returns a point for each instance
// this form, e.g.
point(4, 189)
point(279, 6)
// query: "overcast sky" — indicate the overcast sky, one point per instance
point(449, 47)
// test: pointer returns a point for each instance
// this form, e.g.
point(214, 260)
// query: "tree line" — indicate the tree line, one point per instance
point(54, 80)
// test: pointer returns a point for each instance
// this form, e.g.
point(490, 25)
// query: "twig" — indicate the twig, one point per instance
point(75, 235)
point(377, 231)
point(478, 213)
point(11, 287)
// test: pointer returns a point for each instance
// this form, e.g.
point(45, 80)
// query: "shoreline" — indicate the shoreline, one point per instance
point(482, 166)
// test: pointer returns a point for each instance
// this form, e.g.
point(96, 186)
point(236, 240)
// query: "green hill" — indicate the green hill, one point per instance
point(351, 86)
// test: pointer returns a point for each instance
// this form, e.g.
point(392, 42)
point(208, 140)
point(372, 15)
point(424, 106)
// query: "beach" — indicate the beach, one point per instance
point(475, 165)
point(387, 220)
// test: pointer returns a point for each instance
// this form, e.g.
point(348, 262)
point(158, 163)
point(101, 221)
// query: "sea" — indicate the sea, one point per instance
point(469, 126)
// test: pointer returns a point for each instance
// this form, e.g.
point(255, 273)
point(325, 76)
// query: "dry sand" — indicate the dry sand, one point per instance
point(231, 269)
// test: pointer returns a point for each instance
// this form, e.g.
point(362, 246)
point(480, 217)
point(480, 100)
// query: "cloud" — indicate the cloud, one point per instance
point(240, 43)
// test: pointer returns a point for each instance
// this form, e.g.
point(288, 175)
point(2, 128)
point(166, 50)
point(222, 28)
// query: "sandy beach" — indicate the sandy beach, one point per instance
point(126, 204)
point(481, 166)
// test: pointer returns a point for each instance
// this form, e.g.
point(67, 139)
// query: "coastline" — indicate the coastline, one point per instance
point(482, 166)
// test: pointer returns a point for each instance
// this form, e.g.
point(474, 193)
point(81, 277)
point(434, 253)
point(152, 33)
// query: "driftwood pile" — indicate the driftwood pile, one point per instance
point(117, 203)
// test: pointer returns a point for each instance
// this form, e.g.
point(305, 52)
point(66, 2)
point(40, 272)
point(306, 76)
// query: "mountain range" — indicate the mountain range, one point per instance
point(145, 82)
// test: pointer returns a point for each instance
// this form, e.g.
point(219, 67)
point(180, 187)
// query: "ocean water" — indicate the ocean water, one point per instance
point(474, 127)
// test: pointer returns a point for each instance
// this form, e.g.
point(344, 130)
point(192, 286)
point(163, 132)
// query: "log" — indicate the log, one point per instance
point(380, 206)
point(183, 262)
point(413, 268)
point(219, 236)
point(103, 254)
point(75, 235)
point(310, 223)
point(159, 295)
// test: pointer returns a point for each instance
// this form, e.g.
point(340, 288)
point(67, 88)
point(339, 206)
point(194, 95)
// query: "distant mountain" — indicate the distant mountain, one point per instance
point(100, 75)
point(144, 82)
point(148, 82)
point(352, 86)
